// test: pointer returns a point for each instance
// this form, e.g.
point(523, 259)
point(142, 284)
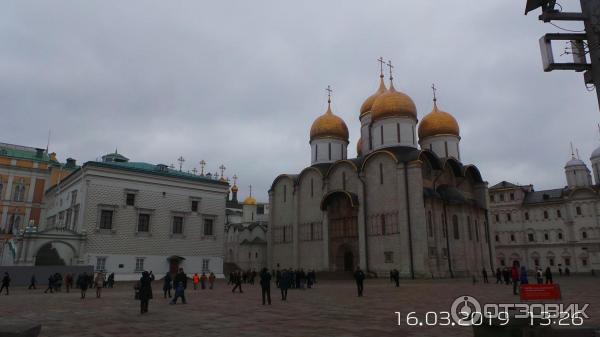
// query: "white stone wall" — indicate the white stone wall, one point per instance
point(328, 150)
point(442, 145)
point(390, 128)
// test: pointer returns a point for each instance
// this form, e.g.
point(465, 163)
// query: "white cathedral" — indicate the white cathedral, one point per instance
point(403, 203)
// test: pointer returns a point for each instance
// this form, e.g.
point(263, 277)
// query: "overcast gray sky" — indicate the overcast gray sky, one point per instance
point(240, 82)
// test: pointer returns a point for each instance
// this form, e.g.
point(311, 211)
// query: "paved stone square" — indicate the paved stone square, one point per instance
point(330, 309)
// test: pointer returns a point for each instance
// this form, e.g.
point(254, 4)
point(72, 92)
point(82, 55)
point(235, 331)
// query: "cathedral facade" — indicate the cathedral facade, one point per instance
point(406, 202)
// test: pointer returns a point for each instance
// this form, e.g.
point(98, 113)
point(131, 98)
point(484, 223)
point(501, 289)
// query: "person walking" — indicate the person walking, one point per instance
point(83, 283)
point(32, 282)
point(284, 283)
point(180, 283)
point(203, 280)
point(237, 281)
point(515, 277)
point(98, 284)
point(539, 276)
point(396, 277)
point(68, 282)
point(167, 285)
point(359, 276)
point(5, 283)
point(523, 276)
point(485, 276)
point(145, 292)
point(265, 285)
point(111, 280)
point(548, 275)
point(196, 280)
point(211, 280)
point(567, 271)
point(50, 284)
point(498, 276)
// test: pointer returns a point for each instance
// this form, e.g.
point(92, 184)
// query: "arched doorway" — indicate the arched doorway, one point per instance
point(48, 256)
point(342, 219)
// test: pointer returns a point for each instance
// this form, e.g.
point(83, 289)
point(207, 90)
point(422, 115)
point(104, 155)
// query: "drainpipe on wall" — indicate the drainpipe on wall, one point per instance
point(410, 246)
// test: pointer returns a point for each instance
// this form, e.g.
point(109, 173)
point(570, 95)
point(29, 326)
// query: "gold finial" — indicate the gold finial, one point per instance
point(381, 63)
point(389, 64)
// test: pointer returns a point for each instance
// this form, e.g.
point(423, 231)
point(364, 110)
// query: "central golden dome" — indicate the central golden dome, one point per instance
point(393, 103)
point(438, 122)
point(329, 125)
point(368, 103)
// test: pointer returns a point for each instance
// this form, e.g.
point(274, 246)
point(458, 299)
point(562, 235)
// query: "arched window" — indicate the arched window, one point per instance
point(560, 235)
point(455, 227)
point(545, 214)
point(584, 235)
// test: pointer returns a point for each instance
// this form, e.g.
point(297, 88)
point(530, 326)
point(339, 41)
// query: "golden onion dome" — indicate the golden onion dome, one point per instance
point(359, 147)
point(250, 201)
point(368, 103)
point(393, 103)
point(329, 125)
point(438, 122)
point(234, 188)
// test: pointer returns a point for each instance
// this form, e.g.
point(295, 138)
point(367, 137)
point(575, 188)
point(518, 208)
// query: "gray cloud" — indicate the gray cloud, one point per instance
point(239, 83)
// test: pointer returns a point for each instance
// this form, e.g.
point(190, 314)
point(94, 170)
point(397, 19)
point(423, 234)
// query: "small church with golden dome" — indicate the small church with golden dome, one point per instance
point(406, 202)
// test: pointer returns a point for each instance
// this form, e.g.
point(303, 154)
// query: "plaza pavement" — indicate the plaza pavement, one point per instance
point(330, 309)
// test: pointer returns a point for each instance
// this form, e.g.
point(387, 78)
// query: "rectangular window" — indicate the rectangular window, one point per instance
point(398, 131)
point(501, 197)
point(558, 213)
point(260, 209)
point(194, 205)
point(512, 196)
point(492, 198)
point(546, 237)
point(208, 227)
point(205, 264)
point(446, 148)
point(389, 257)
point(497, 216)
point(381, 128)
point(139, 264)
point(567, 261)
point(584, 262)
point(130, 199)
point(508, 217)
point(329, 150)
point(530, 237)
point(526, 215)
point(143, 223)
point(100, 263)
point(551, 261)
point(578, 209)
point(106, 218)
point(177, 225)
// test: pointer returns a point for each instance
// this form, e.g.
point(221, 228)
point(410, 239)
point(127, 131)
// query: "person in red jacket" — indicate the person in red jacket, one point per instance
point(515, 276)
point(196, 280)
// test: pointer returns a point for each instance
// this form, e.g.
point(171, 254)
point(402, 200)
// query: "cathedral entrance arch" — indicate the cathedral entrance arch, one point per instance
point(342, 216)
point(55, 253)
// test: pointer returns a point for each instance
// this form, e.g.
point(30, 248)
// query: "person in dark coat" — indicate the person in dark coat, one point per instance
point(548, 274)
point(515, 277)
point(395, 274)
point(145, 292)
point(5, 283)
point(68, 282)
point(167, 284)
point(498, 276)
point(83, 283)
point(284, 283)
point(265, 285)
point(50, 284)
point(237, 281)
point(180, 283)
point(359, 276)
point(32, 282)
point(485, 275)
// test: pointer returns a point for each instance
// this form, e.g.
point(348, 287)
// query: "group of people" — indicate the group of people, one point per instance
point(517, 275)
point(202, 280)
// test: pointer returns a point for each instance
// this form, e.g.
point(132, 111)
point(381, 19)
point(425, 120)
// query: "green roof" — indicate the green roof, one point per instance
point(161, 170)
point(24, 152)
